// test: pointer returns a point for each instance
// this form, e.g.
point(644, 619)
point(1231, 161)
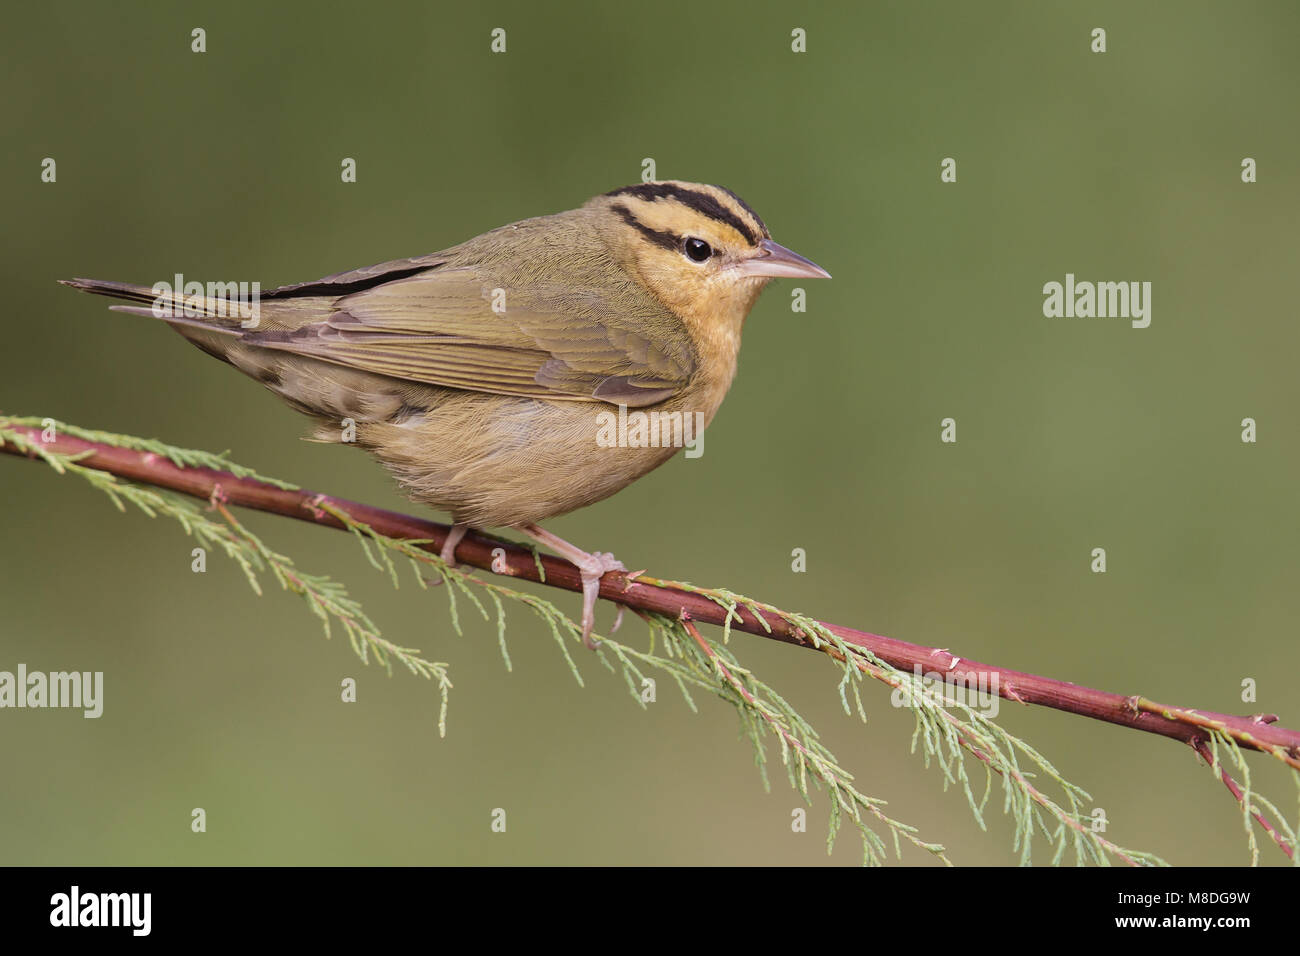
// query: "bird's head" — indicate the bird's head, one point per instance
point(699, 249)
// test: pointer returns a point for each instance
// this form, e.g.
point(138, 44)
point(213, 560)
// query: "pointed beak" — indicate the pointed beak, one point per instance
point(773, 260)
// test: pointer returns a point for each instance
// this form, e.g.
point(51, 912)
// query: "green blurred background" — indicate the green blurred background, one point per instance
point(1073, 433)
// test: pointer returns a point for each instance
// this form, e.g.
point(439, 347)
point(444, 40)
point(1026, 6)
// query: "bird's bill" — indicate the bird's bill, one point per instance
point(773, 260)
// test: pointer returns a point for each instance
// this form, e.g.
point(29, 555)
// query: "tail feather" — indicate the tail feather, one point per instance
point(196, 322)
point(173, 307)
point(114, 290)
point(313, 386)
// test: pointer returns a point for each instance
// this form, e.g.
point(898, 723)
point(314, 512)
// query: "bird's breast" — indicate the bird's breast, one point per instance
point(497, 461)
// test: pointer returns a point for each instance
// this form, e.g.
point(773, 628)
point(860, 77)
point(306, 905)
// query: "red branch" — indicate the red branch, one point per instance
point(1234, 788)
point(1253, 732)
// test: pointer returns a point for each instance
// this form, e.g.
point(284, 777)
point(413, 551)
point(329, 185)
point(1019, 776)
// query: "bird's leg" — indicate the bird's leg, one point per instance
point(592, 566)
point(448, 553)
point(454, 537)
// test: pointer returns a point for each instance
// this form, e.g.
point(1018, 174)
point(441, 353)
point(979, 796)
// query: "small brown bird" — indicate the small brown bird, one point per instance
point(485, 376)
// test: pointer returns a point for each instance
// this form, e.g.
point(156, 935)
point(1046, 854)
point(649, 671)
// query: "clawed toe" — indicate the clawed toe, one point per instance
point(595, 567)
point(603, 562)
point(592, 567)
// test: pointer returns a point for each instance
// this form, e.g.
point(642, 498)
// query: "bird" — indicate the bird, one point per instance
point(481, 376)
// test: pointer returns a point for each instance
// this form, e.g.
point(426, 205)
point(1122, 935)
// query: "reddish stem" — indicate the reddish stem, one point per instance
point(1202, 748)
point(477, 550)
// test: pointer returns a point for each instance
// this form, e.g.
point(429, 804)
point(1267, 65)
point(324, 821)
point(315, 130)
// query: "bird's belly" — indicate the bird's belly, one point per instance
point(500, 461)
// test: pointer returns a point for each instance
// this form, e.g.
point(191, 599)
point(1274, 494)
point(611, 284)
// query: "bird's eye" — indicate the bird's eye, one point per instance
point(697, 250)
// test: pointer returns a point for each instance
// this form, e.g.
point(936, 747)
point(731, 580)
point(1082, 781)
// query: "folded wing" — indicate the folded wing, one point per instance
point(422, 320)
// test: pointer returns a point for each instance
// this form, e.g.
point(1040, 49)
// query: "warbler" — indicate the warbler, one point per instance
point(479, 375)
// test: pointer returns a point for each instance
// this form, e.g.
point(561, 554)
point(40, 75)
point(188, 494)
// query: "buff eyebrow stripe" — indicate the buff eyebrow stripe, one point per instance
point(702, 203)
point(659, 237)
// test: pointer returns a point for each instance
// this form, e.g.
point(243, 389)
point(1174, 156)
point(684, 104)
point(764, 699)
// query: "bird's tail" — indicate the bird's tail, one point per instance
point(213, 313)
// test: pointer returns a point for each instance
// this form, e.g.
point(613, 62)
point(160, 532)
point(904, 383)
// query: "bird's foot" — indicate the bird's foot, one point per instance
point(592, 567)
point(599, 563)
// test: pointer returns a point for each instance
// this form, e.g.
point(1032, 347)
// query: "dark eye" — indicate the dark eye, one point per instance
point(697, 250)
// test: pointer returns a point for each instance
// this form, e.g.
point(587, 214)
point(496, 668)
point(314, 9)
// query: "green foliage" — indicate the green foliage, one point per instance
point(327, 599)
point(947, 733)
point(1250, 801)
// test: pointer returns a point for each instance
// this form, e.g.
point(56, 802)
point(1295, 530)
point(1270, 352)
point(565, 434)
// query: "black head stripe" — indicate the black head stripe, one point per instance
point(745, 206)
point(657, 236)
point(702, 203)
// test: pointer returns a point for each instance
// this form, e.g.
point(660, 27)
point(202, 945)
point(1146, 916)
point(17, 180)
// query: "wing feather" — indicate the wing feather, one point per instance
point(458, 326)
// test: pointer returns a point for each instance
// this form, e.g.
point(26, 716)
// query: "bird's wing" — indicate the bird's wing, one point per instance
point(354, 280)
point(458, 327)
